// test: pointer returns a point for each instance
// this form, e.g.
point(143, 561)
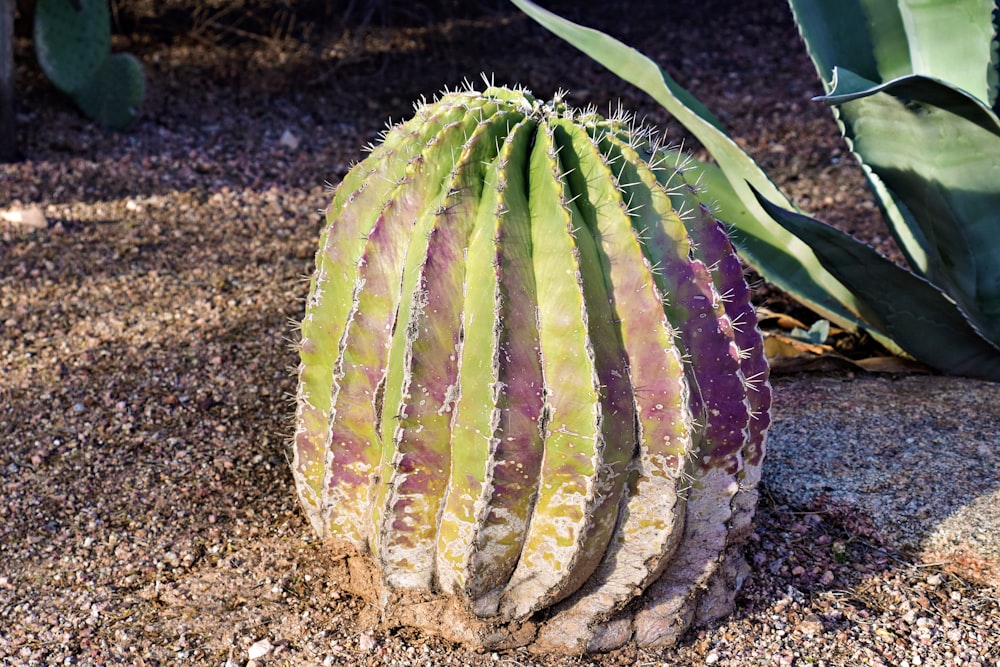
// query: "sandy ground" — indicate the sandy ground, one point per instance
point(147, 514)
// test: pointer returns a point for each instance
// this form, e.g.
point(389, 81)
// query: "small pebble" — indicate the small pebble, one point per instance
point(289, 140)
point(27, 218)
point(366, 642)
point(811, 625)
point(259, 649)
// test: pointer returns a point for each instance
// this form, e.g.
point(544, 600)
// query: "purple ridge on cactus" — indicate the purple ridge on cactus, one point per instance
point(417, 477)
point(498, 450)
point(351, 216)
point(713, 247)
point(709, 339)
point(352, 459)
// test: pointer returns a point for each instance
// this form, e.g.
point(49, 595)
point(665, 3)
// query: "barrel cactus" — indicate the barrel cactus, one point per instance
point(532, 399)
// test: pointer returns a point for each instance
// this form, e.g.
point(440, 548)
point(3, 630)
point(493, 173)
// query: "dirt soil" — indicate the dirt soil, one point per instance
point(147, 512)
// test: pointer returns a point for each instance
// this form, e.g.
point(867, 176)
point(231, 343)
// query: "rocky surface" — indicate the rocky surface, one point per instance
point(916, 456)
point(147, 514)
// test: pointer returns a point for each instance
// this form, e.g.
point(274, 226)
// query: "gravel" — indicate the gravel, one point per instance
point(147, 513)
point(917, 455)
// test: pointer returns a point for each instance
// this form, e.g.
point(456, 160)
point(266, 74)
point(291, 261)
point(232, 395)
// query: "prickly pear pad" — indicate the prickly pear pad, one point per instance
point(532, 400)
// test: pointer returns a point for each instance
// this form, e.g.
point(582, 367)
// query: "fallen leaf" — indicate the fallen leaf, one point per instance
point(792, 355)
point(769, 318)
point(891, 365)
point(778, 345)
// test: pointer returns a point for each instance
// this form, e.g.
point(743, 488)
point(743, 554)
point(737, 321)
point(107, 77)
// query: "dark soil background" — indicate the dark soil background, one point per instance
point(318, 66)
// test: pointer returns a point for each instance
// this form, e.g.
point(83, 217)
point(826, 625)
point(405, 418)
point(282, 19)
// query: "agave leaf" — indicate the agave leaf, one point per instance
point(779, 256)
point(950, 40)
point(881, 41)
point(993, 72)
point(915, 313)
point(921, 125)
point(839, 34)
point(887, 33)
point(932, 152)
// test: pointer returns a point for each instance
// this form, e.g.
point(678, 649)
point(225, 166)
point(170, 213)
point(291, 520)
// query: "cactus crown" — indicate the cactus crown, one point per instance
point(522, 368)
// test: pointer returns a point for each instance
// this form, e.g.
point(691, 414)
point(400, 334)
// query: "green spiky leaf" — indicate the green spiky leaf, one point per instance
point(934, 153)
point(915, 313)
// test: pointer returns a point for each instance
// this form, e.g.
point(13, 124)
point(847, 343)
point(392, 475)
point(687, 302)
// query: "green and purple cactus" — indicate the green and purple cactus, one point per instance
point(532, 397)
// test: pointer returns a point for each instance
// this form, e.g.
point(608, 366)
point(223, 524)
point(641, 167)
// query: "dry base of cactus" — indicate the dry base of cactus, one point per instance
point(533, 398)
point(448, 617)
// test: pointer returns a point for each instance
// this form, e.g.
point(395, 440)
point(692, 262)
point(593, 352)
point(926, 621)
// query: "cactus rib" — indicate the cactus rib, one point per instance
point(496, 436)
point(653, 514)
point(588, 437)
point(423, 378)
point(351, 217)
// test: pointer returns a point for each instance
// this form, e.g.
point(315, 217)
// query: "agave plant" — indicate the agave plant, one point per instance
point(914, 86)
point(532, 397)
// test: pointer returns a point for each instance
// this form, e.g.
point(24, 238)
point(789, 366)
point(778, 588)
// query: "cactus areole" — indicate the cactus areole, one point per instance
point(532, 397)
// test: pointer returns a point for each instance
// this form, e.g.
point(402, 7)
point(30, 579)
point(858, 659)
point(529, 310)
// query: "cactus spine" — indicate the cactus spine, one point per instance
point(532, 393)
